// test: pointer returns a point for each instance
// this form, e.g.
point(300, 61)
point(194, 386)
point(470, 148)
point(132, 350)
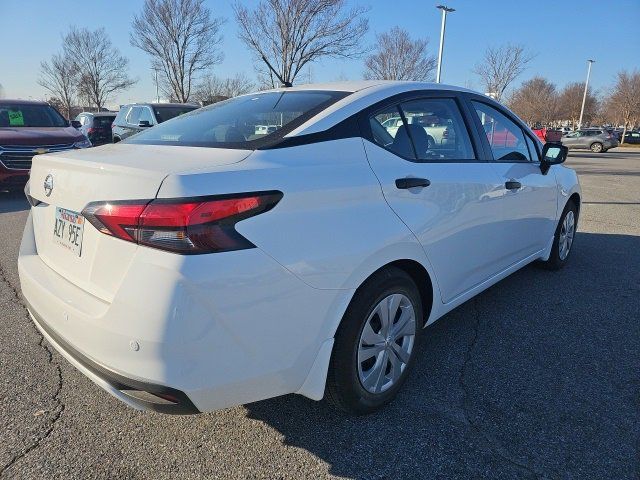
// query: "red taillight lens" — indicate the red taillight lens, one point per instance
point(91, 130)
point(195, 225)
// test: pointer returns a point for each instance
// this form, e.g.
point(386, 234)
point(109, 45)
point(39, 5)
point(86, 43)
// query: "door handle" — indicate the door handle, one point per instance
point(411, 182)
point(512, 185)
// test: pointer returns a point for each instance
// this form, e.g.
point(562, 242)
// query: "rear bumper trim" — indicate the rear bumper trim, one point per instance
point(142, 395)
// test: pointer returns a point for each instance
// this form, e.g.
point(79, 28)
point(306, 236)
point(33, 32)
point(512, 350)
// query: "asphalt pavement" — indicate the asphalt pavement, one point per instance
point(538, 377)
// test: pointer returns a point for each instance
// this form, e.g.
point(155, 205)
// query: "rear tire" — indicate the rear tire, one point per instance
point(372, 356)
point(563, 238)
point(596, 147)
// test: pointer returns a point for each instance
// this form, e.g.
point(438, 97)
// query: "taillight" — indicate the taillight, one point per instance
point(91, 130)
point(187, 226)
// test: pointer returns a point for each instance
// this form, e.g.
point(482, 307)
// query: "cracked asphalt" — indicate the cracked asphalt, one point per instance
point(538, 377)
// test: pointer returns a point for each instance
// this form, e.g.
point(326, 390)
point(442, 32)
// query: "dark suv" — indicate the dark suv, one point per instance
point(96, 126)
point(29, 128)
point(137, 116)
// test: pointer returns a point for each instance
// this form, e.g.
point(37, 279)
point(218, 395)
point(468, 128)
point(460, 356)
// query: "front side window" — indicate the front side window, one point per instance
point(437, 130)
point(246, 122)
point(145, 116)
point(30, 115)
point(505, 136)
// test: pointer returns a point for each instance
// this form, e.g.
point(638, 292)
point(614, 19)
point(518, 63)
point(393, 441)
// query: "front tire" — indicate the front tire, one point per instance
point(375, 345)
point(596, 147)
point(563, 239)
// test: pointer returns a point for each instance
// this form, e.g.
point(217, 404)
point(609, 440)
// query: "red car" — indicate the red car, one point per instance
point(29, 128)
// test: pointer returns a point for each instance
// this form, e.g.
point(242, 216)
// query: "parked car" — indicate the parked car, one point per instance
point(135, 117)
point(29, 128)
point(565, 130)
point(596, 140)
point(437, 131)
point(198, 265)
point(632, 137)
point(548, 134)
point(96, 126)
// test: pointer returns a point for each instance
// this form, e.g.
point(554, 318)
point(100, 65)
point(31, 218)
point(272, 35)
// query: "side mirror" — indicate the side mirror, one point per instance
point(552, 154)
point(75, 124)
point(144, 124)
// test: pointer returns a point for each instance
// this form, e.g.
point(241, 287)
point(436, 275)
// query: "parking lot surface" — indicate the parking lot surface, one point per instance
point(538, 377)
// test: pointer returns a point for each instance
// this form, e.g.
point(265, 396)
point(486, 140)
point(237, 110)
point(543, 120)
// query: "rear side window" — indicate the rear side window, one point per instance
point(134, 116)
point(246, 122)
point(505, 137)
point(122, 115)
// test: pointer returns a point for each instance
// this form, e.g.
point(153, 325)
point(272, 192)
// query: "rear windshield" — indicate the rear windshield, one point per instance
point(105, 121)
point(167, 113)
point(30, 116)
point(247, 122)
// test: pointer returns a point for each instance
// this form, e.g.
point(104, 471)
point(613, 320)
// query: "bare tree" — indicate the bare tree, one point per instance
point(182, 39)
point(292, 33)
point(536, 101)
point(501, 66)
point(213, 89)
point(60, 78)
point(570, 102)
point(101, 70)
point(399, 57)
point(625, 99)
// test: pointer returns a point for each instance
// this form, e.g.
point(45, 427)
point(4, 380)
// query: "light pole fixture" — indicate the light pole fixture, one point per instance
point(584, 96)
point(445, 10)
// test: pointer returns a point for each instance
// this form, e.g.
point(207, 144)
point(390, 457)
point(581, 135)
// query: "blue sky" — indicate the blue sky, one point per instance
point(562, 33)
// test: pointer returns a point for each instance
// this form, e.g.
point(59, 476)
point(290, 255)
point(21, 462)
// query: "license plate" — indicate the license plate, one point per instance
point(68, 229)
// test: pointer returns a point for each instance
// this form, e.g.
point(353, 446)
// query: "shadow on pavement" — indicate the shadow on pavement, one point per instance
point(13, 202)
point(537, 376)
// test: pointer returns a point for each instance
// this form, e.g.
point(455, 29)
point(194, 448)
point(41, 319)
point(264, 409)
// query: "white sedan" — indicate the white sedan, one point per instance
point(204, 263)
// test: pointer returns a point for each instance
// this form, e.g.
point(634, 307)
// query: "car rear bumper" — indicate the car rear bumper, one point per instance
point(137, 394)
point(209, 331)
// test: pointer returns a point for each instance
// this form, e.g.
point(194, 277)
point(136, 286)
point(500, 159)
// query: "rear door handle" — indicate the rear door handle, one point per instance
point(411, 182)
point(512, 185)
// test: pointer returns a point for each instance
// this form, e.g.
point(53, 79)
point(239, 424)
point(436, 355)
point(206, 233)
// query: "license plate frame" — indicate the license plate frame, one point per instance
point(68, 230)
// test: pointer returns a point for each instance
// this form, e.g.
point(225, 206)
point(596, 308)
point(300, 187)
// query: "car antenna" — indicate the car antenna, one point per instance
point(282, 82)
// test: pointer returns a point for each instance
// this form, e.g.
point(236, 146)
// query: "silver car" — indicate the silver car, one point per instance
point(596, 140)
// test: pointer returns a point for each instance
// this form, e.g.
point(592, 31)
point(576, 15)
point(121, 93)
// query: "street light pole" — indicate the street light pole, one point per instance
point(584, 96)
point(445, 10)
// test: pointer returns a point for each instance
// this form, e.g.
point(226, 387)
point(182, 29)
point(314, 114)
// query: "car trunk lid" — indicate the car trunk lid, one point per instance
point(66, 182)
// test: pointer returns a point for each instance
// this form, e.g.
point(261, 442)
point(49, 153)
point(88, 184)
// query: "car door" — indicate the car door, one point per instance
point(529, 196)
point(446, 193)
point(571, 140)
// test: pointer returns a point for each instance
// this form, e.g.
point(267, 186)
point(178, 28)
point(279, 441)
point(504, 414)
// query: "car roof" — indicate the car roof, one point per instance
point(100, 114)
point(362, 95)
point(8, 101)
point(144, 104)
point(359, 85)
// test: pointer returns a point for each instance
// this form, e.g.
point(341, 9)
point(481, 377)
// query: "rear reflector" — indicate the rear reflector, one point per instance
point(187, 226)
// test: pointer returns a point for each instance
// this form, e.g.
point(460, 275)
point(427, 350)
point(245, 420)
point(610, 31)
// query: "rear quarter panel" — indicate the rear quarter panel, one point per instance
point(332, 228)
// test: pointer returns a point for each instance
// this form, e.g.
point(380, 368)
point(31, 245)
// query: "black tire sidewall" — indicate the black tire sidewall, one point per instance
point(555, 262)
point(344, 370)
